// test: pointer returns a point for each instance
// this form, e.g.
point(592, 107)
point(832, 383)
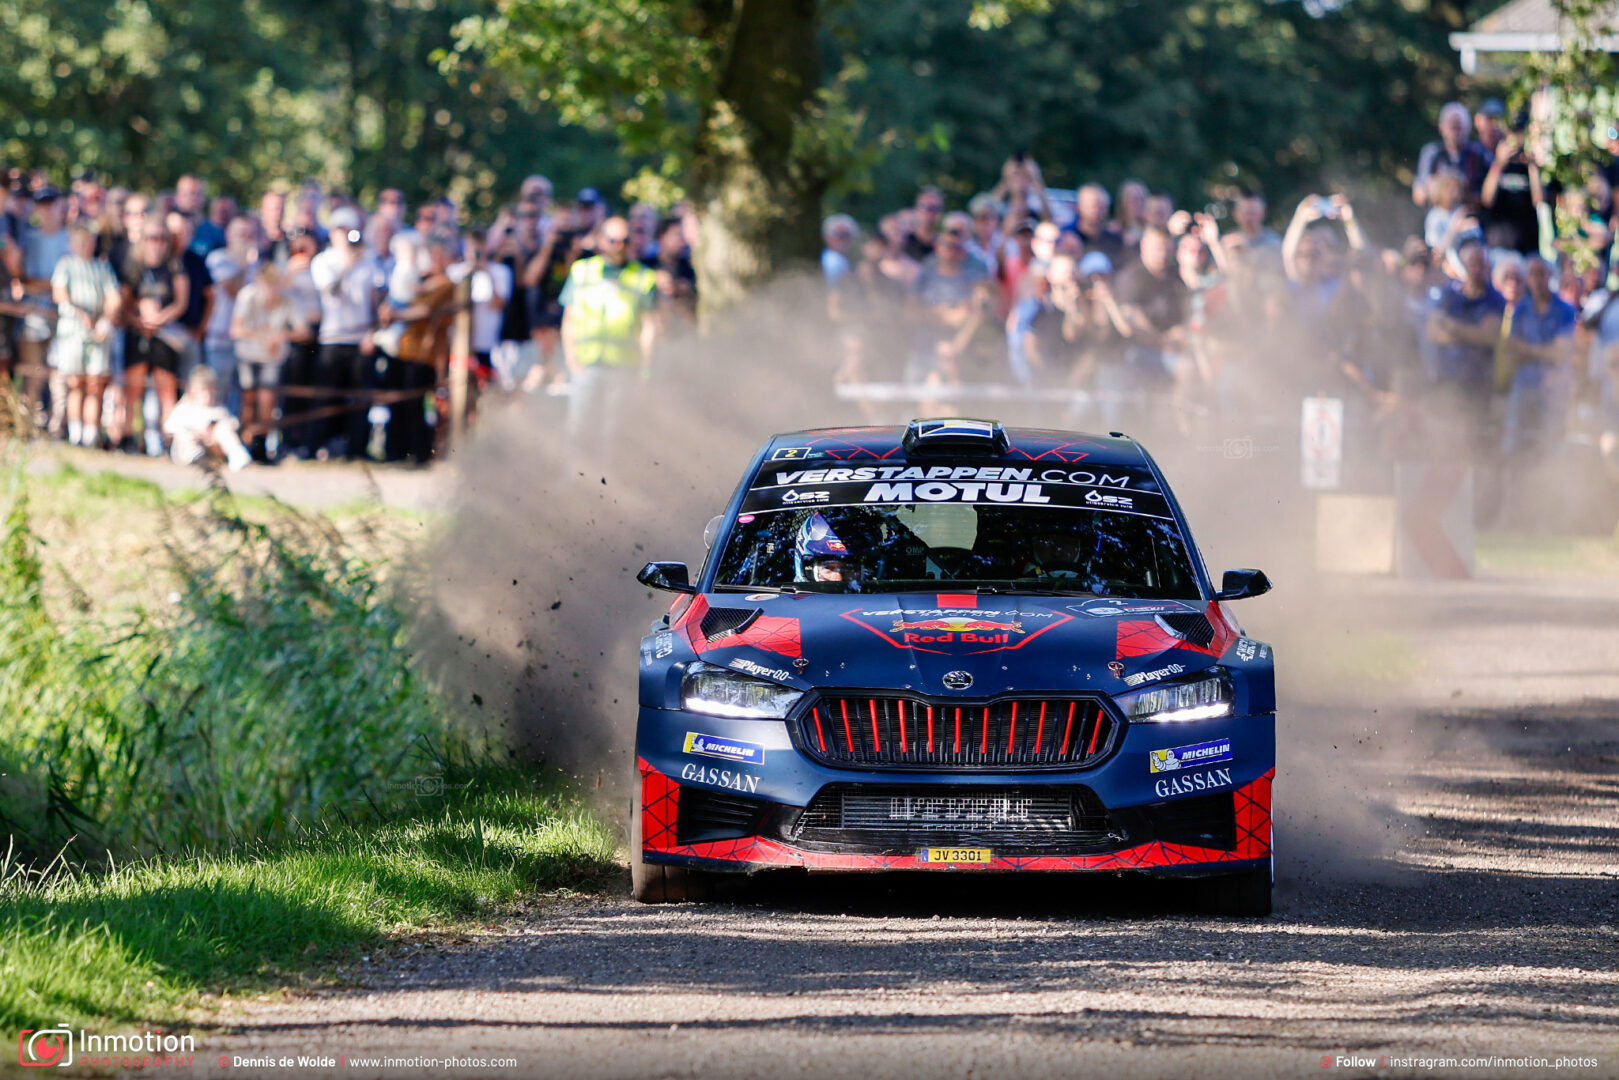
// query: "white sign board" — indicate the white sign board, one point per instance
point(1321, 443)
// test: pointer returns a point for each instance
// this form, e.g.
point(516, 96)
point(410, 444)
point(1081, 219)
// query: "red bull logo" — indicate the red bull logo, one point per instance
point(981, 631)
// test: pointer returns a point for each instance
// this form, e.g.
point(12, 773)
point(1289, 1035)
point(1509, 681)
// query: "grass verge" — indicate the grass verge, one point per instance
point(150, 941)
point(1528, 553)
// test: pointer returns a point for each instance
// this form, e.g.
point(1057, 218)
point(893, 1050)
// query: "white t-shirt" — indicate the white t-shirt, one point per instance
point(187, 428)
point(493, 281)
point(348, 295)
point(260, 320)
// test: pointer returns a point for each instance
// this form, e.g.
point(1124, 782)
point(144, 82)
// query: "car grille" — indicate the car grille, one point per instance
point(878, 817)
point(908, 732)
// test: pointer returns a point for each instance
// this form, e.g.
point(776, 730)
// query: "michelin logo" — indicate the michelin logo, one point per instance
point(726, 749)
point(1186, 757)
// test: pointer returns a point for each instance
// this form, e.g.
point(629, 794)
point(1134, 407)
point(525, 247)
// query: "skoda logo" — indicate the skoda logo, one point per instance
point(957, 680)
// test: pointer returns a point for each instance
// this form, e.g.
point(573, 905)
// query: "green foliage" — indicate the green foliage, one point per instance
point(1578, 83)
point(145, 940)
point(248, 93)
point(275, 694)
point(1190, 96)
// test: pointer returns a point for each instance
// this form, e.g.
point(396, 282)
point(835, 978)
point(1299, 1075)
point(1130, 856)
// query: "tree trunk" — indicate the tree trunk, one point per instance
point(758, 208)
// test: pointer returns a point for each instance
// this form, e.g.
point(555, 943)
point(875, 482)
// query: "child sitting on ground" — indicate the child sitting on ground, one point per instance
point(197, 426)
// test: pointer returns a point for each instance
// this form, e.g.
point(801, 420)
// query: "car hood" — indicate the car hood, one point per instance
point(944, 644)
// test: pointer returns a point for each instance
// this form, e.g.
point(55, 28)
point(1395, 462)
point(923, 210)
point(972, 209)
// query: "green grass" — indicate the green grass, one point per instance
point(145, 941)
point(1528, 553)
point(272, 691)
point(235, 762)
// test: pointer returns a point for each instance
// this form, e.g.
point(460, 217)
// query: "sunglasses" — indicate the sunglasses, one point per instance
point(934, 207)
point(955, 234)
point(615, 239)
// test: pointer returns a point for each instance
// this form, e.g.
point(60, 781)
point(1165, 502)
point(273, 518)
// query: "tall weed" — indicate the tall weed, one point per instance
point(274, 691)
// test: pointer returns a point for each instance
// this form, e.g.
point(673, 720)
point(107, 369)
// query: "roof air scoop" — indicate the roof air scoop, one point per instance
point(956, 436)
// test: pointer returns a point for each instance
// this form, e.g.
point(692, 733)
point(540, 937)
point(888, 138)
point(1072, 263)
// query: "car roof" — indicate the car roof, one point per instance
point(1026, 444)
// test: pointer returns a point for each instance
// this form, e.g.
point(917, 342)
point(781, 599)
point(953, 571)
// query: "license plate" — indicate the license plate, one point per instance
point(957, 856)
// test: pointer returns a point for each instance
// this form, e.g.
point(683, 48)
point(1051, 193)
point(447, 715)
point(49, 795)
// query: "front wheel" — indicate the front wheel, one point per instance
point(652, 883)
point(1245, 895)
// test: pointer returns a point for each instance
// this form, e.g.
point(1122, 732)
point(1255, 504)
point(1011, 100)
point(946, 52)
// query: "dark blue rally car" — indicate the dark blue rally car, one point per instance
point(954, 646)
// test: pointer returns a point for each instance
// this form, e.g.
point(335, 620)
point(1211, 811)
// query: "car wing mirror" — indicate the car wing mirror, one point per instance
point(669, 576)
point(1241, 584)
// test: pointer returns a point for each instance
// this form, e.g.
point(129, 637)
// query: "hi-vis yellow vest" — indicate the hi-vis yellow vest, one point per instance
point(605, 313)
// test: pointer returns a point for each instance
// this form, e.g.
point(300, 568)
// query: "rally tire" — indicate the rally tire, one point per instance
point(1246, 895)
point(651, 883)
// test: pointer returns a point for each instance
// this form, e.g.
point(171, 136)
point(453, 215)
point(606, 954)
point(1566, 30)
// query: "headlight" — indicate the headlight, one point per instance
point(1200, 699)
point(719, 691)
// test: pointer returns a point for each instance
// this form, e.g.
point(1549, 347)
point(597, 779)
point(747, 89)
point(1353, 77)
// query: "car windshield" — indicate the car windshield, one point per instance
point(897, 527)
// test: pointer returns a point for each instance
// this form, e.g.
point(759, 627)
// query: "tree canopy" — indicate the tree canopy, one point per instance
point(470, 95)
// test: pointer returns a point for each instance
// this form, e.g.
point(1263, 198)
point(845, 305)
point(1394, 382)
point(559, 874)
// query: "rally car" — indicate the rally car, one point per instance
point(954, 646)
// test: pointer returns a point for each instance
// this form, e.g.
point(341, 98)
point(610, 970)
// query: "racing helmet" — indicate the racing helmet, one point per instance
point(817, 544)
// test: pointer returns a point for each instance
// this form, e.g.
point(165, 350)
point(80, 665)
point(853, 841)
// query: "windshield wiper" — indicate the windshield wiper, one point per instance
point(777, 589)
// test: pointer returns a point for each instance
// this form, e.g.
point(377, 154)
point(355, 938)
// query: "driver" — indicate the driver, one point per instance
point(818, 553)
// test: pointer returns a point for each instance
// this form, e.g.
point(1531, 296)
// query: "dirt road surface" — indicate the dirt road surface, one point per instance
point(1448, 862)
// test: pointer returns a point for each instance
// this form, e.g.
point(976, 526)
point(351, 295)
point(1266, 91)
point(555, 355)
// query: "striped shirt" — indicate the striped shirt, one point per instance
point(87, 282)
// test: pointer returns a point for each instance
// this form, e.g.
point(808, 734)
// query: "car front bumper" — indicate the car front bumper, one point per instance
point(735, 795)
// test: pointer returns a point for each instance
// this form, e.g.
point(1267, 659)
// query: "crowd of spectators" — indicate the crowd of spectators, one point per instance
point(314, 326)
point(318, 327)
point(1483, 333)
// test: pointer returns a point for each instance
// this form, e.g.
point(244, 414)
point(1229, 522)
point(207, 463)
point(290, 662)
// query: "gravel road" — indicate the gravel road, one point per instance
point(1449, 888)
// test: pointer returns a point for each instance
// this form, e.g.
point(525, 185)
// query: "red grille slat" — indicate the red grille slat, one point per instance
point(1003, 742)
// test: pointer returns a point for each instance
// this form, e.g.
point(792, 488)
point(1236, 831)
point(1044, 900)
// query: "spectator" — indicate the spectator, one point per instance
point(513, 243)
point(221, 212)
point(1511, 194)
point(490, 293)
point(1248, 213)
point(157, 293)
point(1092, 206)
point(201, 293)
point(1154, 301)
point(43, 245)
point(1453, 150)
point(988, 244)
point(950, 298)
point(349, 280)
point(1445, 193)
point(87, 298)
point(416, 343)
point(1540, 350)
point(609, 324)
point(590, 211)
point(677, 277)
point(274, 243)
point(1157, 211)
point(191, 199)
point(230, 268)
point(199, 427)
point(1132, 215)
point(562, 243)
point(643, 219)
point(1487, 121)
point(263, 325)
point(838, 236)
point(1465, 324)
point(921, 238)
point(537, 191)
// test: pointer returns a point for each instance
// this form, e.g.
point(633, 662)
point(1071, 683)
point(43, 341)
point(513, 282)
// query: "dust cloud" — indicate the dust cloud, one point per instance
point(536, 617)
